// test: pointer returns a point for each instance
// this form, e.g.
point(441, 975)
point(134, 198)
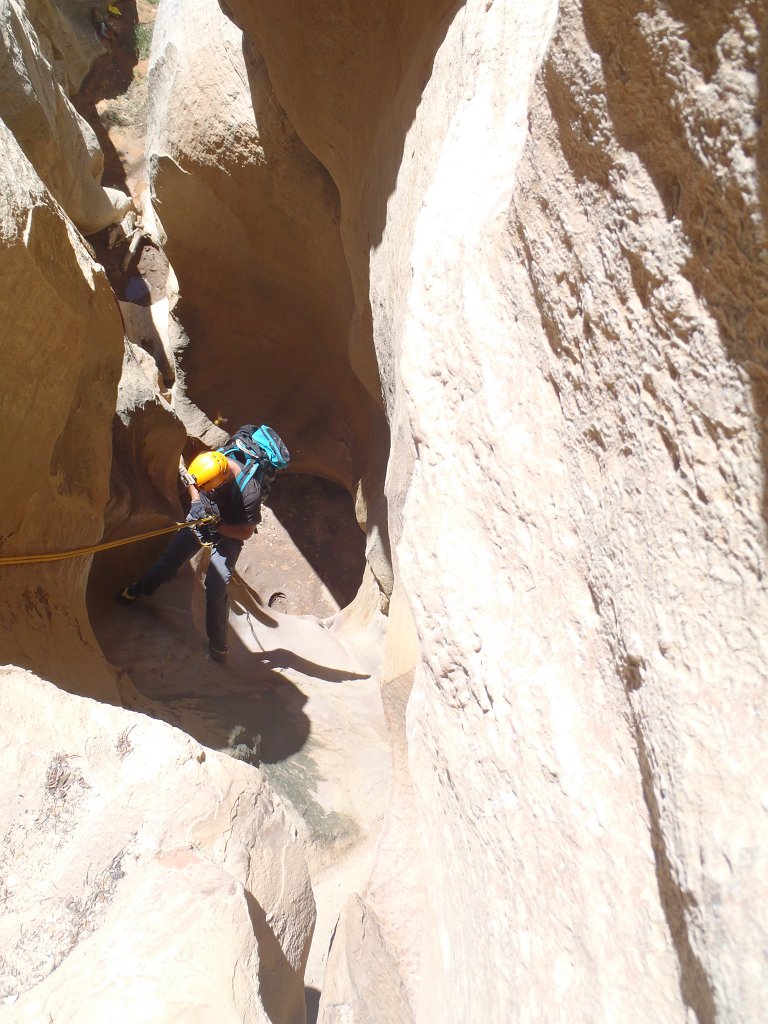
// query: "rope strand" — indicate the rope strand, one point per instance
point(105, 546)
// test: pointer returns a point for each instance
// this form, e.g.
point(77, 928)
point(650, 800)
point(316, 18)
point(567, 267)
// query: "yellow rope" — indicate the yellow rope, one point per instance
point(30, 559)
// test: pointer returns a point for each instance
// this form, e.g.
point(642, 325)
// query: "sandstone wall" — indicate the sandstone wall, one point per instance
point(648, 124)
point(565, 288)
point(125, 850)
point(535, 233)
point(350, 77)
point(582, 350)
point(61, 345)
point(41, 60)
point(252, 226)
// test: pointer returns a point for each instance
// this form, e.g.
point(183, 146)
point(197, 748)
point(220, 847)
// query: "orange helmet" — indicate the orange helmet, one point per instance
point(210, 469)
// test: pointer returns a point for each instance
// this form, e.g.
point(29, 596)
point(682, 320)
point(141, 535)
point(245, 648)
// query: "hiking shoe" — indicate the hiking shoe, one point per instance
point(217, 654)
point(127, 595)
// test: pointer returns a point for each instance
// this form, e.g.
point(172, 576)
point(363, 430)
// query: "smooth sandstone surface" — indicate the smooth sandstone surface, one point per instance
point(534, 233)
point(61, 345)
point(567, 320)
point(583, 722)
point(144, 877)
point(251, 219)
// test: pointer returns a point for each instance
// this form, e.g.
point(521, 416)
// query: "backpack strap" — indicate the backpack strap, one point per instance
point(263, 453)
point(251, 466)
point(247, 475)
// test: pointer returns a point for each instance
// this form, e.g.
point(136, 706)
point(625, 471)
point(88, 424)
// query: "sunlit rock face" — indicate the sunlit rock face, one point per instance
point(638, 218)
point(61, 345)
point(128, 900)
point(43, 58)
point(565, 287)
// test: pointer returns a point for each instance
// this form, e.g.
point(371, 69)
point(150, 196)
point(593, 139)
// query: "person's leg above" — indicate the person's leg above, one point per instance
point(223, 559)
point(179, 551)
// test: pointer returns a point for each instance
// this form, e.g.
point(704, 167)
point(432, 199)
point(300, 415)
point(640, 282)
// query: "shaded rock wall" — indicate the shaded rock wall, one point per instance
point(61, 345)
point(252, 226)
point(144, 490)
point(350, 77)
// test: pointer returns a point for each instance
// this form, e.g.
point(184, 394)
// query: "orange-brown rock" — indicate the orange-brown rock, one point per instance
point(61, 345)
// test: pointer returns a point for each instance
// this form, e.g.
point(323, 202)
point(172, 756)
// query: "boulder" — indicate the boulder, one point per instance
point(129, 900)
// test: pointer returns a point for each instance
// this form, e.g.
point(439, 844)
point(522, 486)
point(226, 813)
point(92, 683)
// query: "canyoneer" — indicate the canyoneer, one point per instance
point(226, 488)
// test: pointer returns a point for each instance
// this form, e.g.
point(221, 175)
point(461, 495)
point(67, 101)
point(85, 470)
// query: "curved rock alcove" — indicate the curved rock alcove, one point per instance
point(496, 271)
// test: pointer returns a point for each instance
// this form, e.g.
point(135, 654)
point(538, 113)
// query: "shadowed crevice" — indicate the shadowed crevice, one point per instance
point(319, 517)
point(273, 966)
point(695, 987)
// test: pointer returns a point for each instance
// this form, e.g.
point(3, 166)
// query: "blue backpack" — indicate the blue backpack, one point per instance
point(260, 451)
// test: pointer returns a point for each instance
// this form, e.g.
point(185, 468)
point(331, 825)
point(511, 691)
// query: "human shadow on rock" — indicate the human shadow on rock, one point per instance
point(312, 1001)
point(226, 707)
point(327, 535)
point(280, 657)
point(254, 717)
point(267, 724)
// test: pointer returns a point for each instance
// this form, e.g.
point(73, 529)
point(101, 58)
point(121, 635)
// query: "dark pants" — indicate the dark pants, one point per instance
point(224, 556)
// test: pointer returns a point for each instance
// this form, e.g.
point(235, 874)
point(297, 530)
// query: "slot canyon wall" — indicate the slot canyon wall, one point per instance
point(499, 268)
point(554, 216)
point(121, 899)
point(62, 340)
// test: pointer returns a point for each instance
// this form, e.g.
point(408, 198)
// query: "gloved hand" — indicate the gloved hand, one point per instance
point(199, 510)
point(206, 533)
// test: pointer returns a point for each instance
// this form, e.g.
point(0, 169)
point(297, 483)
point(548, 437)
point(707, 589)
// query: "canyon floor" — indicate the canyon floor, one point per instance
point(293, 698)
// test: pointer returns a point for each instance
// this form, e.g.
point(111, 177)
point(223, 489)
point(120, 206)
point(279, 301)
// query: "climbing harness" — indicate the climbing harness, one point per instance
point(58, 556)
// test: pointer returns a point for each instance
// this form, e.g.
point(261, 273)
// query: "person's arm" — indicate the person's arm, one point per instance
point(188, 481)
point(241, 531)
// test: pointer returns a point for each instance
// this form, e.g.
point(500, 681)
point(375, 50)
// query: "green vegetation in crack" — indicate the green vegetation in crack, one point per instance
point(142, 39)
point(296, 779)
point(128, 110)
